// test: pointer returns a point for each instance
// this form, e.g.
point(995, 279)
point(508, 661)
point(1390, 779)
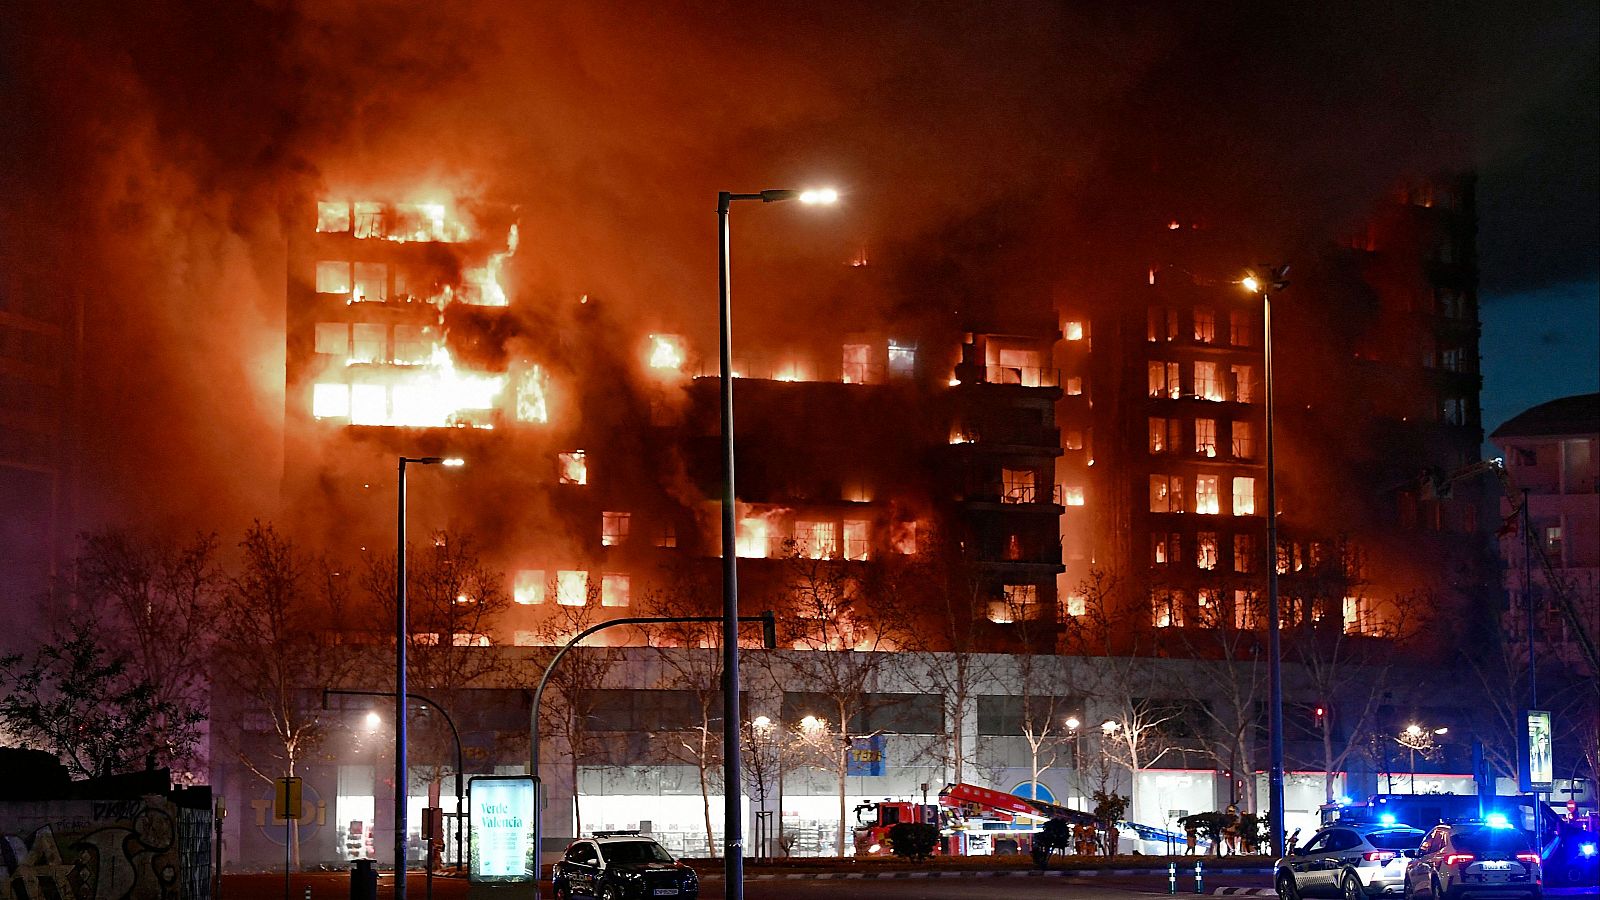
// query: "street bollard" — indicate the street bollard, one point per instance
point(1172, 878)
point(1199, 877)
point(308, 892)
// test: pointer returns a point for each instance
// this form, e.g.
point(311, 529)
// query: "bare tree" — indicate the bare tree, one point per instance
point(846, 632)
point(572, 697)
point(157, 600)
point(691, 661)
point(1228, 657)
point(282, 607)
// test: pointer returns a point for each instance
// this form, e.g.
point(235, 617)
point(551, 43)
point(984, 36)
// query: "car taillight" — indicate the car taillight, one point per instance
point(1379, 855)
point(1528, 857)
point(1454, 858)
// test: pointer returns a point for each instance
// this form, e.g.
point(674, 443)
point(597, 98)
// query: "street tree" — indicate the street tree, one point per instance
point(77, 698)
point(157, 601)
point(276, 655)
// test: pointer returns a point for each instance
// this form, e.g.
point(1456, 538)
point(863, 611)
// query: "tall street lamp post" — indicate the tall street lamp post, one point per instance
point(732, 827)
point(400, 783)
point(1274, 278)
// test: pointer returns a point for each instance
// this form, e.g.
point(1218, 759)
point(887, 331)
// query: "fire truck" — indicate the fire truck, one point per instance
point(972, 821)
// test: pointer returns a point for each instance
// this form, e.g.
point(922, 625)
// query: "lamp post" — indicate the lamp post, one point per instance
point(1415, 738)
point(1273, 278)
point(1073, 725)
point(732, 825)
point(400, 782)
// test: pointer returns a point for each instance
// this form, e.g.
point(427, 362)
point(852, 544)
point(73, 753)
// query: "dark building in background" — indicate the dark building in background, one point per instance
point(38, 350)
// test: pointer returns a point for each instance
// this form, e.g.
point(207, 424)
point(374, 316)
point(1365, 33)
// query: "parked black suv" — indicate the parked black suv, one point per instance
point(622, 865)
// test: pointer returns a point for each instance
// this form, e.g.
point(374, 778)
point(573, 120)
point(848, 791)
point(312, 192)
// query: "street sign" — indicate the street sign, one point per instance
point(286, 800)
point(866, 756)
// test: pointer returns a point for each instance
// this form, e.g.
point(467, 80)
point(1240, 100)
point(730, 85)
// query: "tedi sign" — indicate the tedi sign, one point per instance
point(501, 819)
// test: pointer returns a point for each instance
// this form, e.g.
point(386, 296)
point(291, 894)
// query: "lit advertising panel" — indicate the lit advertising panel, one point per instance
point(1538, 755)
point(501, 819)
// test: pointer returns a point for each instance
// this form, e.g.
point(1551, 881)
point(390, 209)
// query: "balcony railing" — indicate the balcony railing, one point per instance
point(1026, 376)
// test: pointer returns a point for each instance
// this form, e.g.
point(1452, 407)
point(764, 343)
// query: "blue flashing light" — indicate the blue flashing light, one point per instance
point(1497, 820)
point(1586, 849)
point(1344, 801)
point(1387, 818)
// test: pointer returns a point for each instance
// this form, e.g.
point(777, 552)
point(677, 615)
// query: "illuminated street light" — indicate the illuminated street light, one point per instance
point(811, 724)
point(1441, 731)
point(1073, 723)
point(374, 720)
point(1270, 279)
point(761, 722)
point(733, 812)
point(1109, 726)
point(401, 782)
point(1414, 730)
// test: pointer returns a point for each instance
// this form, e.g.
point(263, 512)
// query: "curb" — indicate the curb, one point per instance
point(1244, 892)
point(1001, 873)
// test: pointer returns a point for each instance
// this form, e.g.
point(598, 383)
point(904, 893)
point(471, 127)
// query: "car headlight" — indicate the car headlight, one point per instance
point(874, 848)
point(1586, 849)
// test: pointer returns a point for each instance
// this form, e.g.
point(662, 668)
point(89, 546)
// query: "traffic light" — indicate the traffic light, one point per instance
point(1321, 713)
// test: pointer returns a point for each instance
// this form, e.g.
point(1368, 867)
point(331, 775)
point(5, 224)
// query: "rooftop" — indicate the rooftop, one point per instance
point(1579, 414)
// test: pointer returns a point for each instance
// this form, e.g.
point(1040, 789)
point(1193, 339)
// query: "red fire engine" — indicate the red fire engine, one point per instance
point(973, 821)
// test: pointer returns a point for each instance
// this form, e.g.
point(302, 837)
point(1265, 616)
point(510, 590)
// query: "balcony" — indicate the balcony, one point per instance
point(1025, 376)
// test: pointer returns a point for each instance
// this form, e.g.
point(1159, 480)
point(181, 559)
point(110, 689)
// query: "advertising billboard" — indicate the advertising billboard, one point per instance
point(1538, 757)
point(501, 819)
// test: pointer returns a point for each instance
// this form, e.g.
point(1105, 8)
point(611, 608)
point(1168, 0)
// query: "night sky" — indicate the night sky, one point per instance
point(157, 154)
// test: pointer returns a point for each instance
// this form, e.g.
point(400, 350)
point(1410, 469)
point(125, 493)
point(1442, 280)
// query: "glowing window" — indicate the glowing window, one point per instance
point(1205, 550)
point(333, 216)
point(1163, 435)
point(1074, 386)
point(333, 277)
point(1244, 496)
point(1205, 325)
point(372, 282)
point(1072, 439)
point(1021, 485)
point(1206, 386)
point(1072, 495)
point(369, 404)
point(1166, 493)
point(855, 539)
point(615, 590)
point(1352, 615)
point(1243, 384)
point(330, 401)
point(1163, 380)
point(333, 338)
point(817, 540)
point(572, 587)
point(614, 528)
point(1244, 553)
point(1166, 609)
point(902, 359)
point(1240, 333)
point(1244, 611)
point(528, 587)
point(1077, 604)
point(1161, 552)
point(1206, 499)
point(1205, 437)
point(369, 220)
point(1163, 323)
point(1244, 441)
point(469, 639)
point(857, 363)
point(667, 537)
point(410, 344)
point(524, 638)
point(370, 344)
point(1072, 331)
point(905, 538)
point(573, 467)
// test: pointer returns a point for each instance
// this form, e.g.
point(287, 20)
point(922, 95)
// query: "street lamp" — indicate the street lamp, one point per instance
point(1415, 738)
point(732, 825)
point(1265, 282)
point(400, 783)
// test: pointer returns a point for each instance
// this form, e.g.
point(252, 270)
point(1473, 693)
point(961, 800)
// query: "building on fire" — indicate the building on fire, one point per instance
point(1051, 479)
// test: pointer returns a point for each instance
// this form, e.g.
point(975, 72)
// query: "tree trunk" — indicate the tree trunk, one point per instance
point(705, 795)
point(577, 812)
point(844, 770)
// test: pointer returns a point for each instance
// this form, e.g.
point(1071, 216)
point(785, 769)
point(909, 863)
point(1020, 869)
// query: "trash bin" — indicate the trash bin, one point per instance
point(364, 881)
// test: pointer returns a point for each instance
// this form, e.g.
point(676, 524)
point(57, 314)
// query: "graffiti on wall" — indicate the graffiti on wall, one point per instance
point(146, 849)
